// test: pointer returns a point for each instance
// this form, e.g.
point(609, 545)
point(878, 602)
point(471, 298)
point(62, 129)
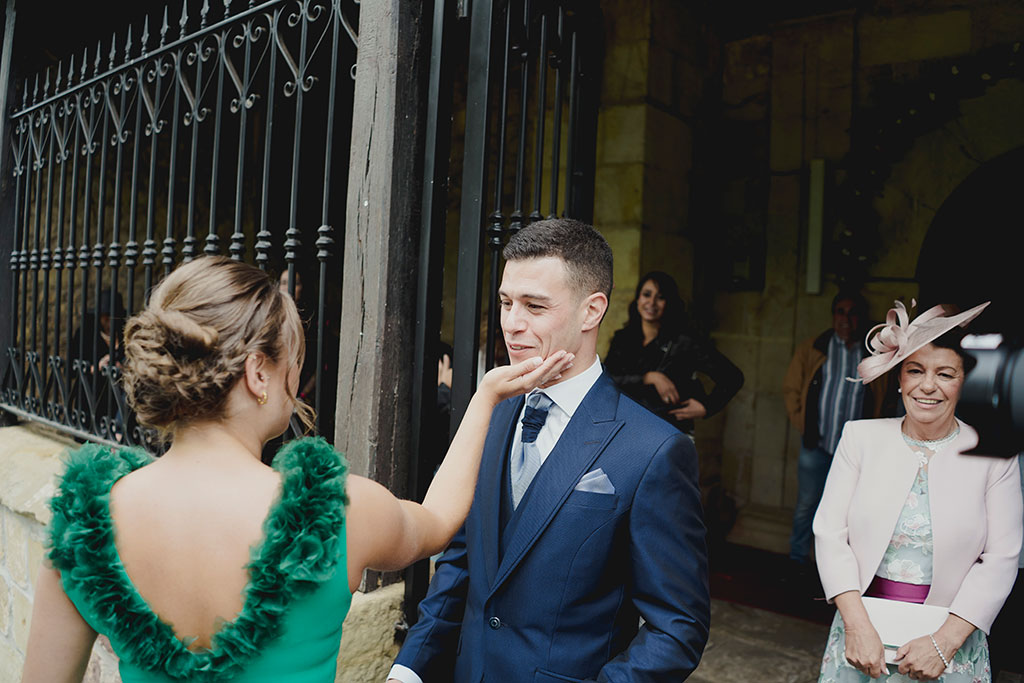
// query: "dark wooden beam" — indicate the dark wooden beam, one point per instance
point(382, 246)
point(7, 302)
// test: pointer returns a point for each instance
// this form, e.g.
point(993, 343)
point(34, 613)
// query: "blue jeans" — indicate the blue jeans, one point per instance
point(812, 469)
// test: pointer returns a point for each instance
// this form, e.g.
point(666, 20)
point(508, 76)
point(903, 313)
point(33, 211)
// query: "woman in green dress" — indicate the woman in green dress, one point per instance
point(205, 564)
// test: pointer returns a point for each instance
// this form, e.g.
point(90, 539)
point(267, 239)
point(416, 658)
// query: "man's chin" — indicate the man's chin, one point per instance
point(521, 355)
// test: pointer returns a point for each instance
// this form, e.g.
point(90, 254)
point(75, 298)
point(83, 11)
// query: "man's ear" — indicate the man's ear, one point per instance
point(256, 374)
point(595, 306)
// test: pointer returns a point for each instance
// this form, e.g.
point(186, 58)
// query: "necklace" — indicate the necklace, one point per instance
point(932, 444)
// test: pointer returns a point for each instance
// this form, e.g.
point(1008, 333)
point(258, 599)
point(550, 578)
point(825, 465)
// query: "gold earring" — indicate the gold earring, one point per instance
point(262, 400)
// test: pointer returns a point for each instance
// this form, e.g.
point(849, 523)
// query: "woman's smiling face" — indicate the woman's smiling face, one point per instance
point(650, 303)
point(930, 381)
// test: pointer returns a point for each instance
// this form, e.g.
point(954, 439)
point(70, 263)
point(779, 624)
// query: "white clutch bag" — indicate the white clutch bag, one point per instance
point(898, 622)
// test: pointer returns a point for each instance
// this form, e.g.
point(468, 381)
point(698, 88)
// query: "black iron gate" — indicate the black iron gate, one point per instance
point(532, 91)
point(206, 131)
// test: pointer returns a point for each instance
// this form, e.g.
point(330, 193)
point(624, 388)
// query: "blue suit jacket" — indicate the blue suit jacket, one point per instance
point(562, 603)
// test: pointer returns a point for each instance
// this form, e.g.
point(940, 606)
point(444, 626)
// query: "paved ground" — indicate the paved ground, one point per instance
point(754, 645)
point(769, 621)
point(750, 644)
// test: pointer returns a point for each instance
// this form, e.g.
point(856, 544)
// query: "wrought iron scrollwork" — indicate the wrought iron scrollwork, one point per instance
point(118, 153)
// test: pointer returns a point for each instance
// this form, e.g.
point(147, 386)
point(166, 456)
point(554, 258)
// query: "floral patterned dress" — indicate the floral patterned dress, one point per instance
point(908, 559)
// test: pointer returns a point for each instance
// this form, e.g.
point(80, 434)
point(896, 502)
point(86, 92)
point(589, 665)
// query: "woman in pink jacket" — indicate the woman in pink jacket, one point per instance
point(907, 516)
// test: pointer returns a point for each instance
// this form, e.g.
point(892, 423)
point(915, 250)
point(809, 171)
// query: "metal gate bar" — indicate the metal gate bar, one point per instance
point(82, 165)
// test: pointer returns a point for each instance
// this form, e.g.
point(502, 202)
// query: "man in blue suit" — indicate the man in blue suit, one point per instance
point(587, 512)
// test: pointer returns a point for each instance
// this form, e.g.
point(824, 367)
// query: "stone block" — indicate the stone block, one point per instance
point(746, 77)
point(626, 20)
point(34, 558)
point(5, 608)
point(94, 671)
point(11, 662)
point(687, 86)
point(29, 462)
point(626, 73)
point(791, 481)
point(659, 75)
point(770, 426)
point(110, 674)
point(620, 134)
point(773, 360)
point(736, 312)
point(666, 201)
point(742, 350)
point(625, 241)
point(672, 26)
point(17, 548)
point(766, 527)
point(368, 645)
point(996, 24)
point(738, 444)
point(893, 39)
point(671, 253)
point(668, 143)
point(787, 101)
point(21, 618)
point(785, 141)
point(620, 197)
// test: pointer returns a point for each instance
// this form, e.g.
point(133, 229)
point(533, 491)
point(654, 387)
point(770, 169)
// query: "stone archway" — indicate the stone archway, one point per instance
point(886, 133)
point(970, 251)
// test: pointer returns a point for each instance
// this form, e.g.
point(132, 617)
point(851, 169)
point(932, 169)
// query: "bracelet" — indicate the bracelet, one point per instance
point(938, 651)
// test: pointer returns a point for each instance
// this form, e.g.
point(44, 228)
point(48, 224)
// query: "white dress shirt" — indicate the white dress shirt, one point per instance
point(566, 397)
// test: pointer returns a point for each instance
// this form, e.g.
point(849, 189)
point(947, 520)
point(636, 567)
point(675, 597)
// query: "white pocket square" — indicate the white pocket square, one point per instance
point(596, 482)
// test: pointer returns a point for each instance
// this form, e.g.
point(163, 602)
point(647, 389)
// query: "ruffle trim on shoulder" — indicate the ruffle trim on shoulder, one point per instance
point(300, 550)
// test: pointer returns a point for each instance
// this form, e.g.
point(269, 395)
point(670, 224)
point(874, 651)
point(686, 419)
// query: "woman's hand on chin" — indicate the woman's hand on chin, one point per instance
point(511, 380)
point(864, 651)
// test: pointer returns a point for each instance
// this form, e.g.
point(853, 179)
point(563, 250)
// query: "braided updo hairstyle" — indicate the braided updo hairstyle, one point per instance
point(186, 350)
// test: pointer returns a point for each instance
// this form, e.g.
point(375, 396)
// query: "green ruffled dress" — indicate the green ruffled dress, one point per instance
point(289, 629)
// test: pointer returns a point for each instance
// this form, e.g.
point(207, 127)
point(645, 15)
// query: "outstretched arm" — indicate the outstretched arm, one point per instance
point(669, 568)
point(384, 532)
point(59, 641)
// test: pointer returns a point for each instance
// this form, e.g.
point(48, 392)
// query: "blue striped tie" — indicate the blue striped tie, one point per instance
point(526, 463)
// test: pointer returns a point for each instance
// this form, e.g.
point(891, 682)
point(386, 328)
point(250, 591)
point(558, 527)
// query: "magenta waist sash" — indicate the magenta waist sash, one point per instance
point(897, 590)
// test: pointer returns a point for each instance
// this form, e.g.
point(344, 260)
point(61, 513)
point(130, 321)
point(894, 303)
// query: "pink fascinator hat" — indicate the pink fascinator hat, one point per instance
point(897, 338)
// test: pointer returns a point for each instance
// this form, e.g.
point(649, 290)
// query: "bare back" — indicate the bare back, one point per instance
point(184, 531)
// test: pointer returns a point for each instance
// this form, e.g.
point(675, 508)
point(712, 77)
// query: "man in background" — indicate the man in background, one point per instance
point(819, 401)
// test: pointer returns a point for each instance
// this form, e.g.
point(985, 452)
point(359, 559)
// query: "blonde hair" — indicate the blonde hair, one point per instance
point(186, 350)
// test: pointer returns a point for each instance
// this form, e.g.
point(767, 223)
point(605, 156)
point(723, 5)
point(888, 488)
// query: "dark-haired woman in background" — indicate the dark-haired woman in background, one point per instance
point(655, 357)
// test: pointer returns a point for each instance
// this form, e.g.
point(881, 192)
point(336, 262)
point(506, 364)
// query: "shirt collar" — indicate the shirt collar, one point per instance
point(839, 345)
point(568, 395)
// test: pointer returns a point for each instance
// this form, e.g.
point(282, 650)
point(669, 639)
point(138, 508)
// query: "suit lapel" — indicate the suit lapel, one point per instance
point(489, 488)
point(585, 437)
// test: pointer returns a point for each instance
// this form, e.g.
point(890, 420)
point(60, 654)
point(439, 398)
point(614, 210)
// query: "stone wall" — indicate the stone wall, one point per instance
point(792, 94)
point(654, 69)
point(29, 463)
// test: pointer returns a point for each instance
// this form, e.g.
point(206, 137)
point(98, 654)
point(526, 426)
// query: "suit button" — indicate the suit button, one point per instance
point(494, 622)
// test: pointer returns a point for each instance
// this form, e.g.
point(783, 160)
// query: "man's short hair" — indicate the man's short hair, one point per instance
point(860, 303)
point(585, 252)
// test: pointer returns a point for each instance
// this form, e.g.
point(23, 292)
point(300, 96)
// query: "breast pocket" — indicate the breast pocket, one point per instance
point(602, 501)
point(542, 676)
